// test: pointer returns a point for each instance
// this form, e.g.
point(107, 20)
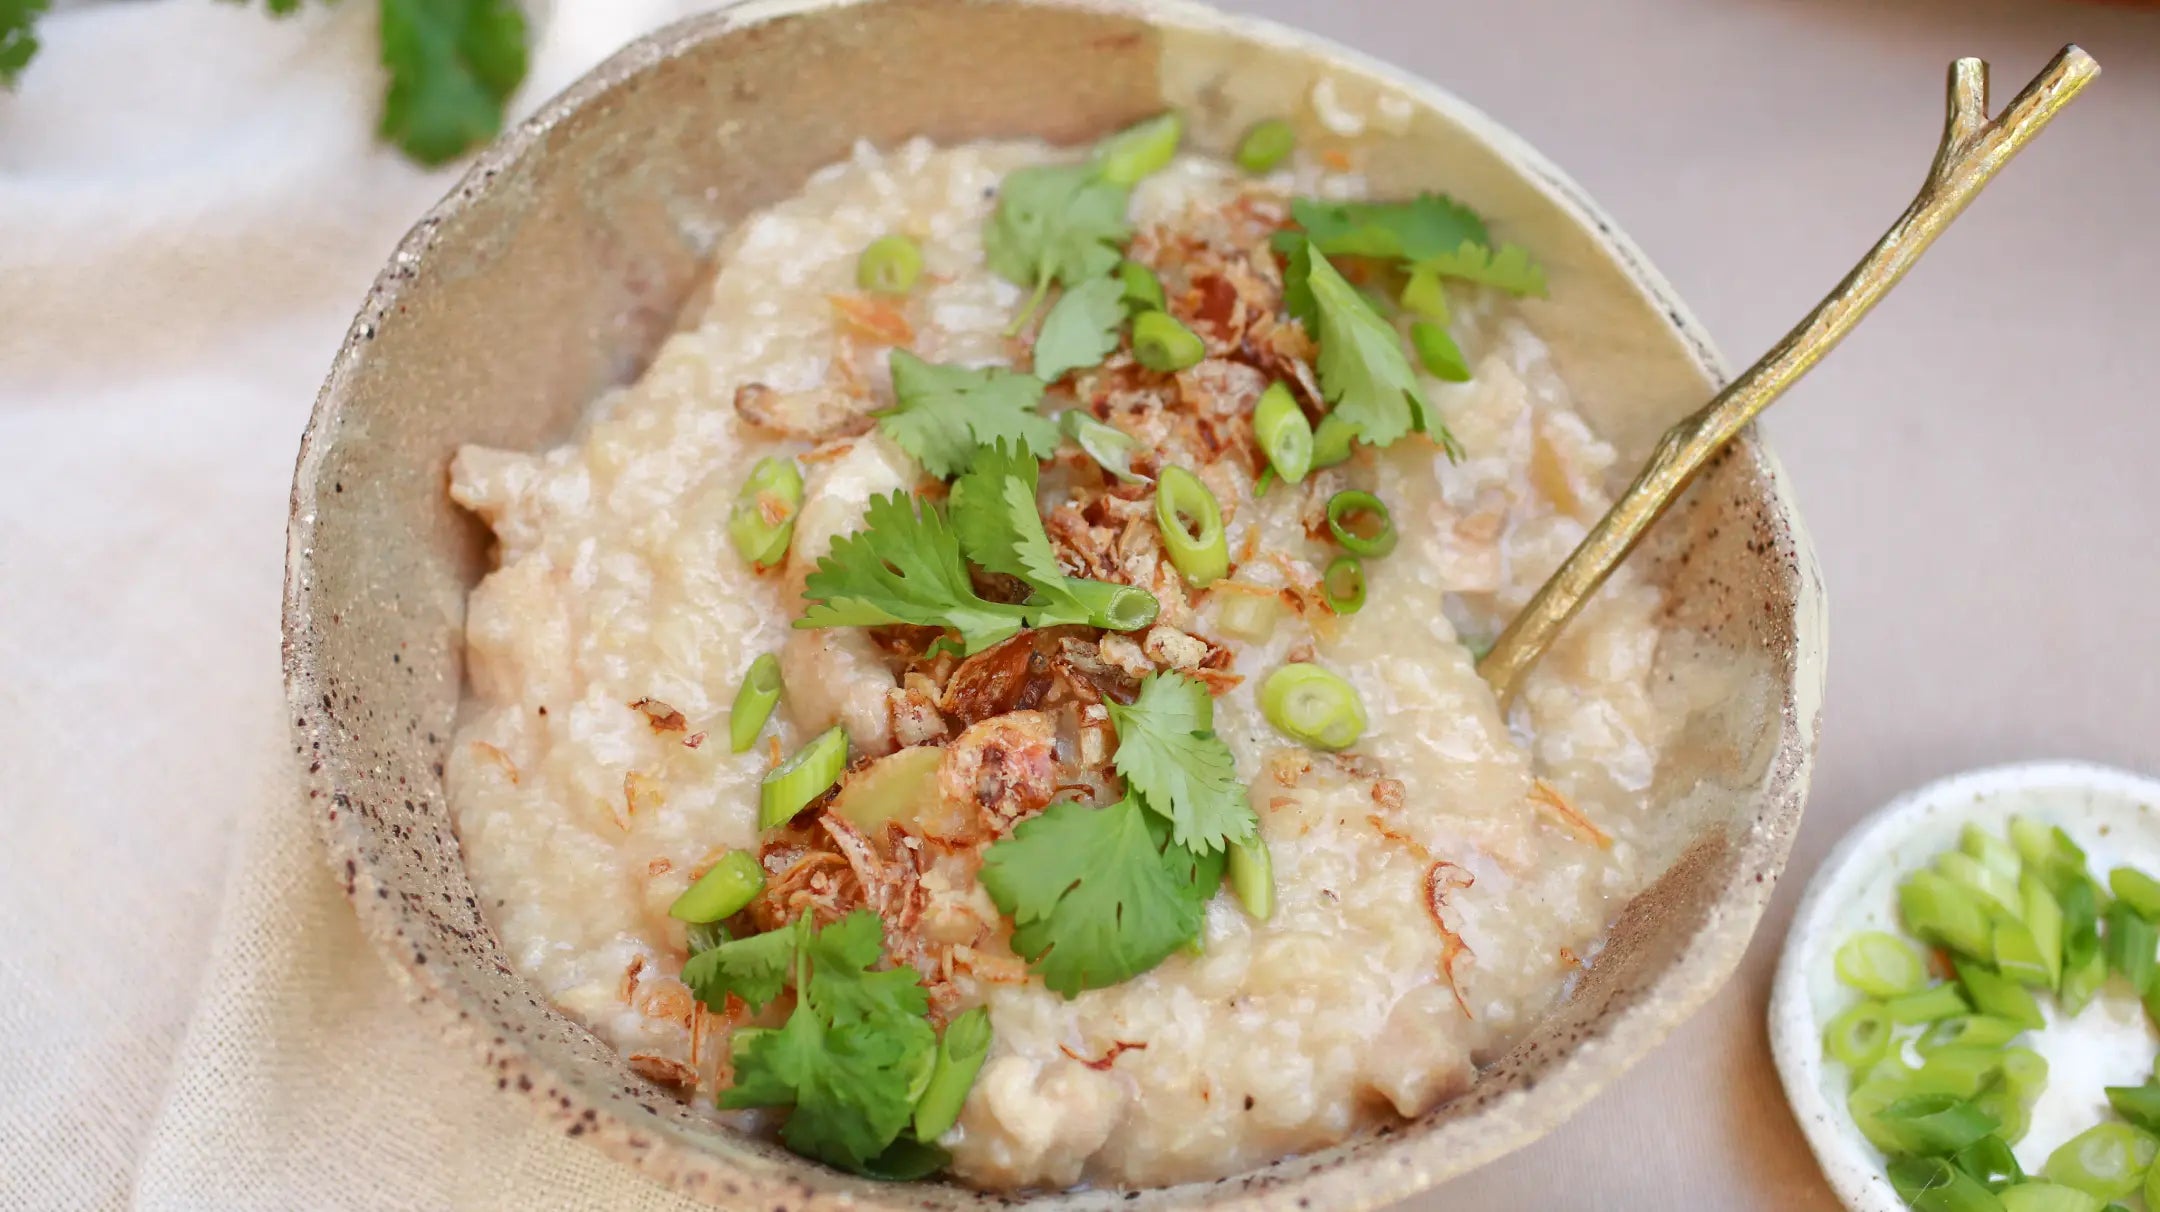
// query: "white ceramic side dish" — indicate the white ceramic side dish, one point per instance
point(2114, 815)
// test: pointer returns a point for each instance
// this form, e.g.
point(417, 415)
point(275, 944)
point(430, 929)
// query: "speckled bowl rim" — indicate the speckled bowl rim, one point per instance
point(1795, 1030)
point(1705, 961)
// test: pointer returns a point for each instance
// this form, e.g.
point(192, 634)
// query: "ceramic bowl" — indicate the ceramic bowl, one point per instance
point(554, 269)
point(2114, 815)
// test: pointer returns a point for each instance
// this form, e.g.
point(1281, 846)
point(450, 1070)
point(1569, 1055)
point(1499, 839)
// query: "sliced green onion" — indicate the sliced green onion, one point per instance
point(1936, 1125)
point(1959, 1072)
point(1996, 994)
point(765, 509)
point(1992, 851)
point(2084, 967)
point(1881, 965)
point(1990, 1162)
point(1423, 295)
point(1285, 435)
point(1968, 1031)
point(1331, 441)
point(2044, 917)
point(2024, 1073)
point(2138, 1104)
point(960, 1056)
point(1143, 290)
point(2140, 890)
point(890, 265)
point(2014, 1116)
point(2017, 955)
point(2106, 1160)
point(1942, 912)
point(2048, 1197)
point(1191, 523)
point(2129, 942)
point(1438, 353)
point(1251, 870)
point(802, 778)
point(1111, 448)
point(1974, 876)
point(704, 936)
point(723, 891)
point(2040, 844)
point(1932, 1184)
point(1265, 144)
point(1161, 343)
point(1859, 1036)
point(1361, 523)
point(1343, 584)
point(1879, 1087)
point(1313, 706)
point(1140, 150)
point(1928, 1005)
point(754, 702)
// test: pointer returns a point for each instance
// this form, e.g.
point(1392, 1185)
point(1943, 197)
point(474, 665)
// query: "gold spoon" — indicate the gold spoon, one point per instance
point(1973, 150)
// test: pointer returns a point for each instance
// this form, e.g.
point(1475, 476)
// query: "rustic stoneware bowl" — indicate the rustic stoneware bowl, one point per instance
point(559, 263)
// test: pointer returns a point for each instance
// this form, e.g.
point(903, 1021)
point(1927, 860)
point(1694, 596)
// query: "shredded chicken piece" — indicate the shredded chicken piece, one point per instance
point(1173, 649)
point(914, 715)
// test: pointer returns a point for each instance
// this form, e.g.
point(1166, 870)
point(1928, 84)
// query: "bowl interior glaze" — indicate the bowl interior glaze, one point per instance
point(556, 267)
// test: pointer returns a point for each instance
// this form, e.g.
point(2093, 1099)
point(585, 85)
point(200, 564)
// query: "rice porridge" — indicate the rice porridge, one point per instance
point(1431, 889)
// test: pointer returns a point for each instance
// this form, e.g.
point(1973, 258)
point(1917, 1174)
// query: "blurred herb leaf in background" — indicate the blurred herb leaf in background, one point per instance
point(452, 63)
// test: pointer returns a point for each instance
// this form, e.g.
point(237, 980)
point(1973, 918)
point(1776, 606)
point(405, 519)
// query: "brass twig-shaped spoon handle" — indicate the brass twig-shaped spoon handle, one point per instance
point(1973, 150)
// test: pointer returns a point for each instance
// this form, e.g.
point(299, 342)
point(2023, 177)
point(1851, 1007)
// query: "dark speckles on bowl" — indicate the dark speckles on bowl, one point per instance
point(554, 270)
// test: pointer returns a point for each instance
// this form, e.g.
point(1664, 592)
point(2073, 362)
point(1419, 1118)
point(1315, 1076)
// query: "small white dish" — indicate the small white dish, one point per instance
point(2113, 814)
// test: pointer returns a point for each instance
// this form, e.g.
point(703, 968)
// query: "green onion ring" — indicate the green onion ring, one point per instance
point(1344, 509)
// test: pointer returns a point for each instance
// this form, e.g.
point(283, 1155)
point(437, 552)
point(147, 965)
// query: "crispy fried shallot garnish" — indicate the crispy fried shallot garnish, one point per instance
point(662, 717)
point(1442, 878)
point(1548, 796)
point(1118, 1048)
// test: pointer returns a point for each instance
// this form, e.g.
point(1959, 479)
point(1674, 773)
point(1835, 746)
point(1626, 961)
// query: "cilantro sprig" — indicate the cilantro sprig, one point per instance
point(1432, 233)
point(904, 566)
point(452, 64)
point(1081, 329)
point(1168, 755)
point(854, 1055)
point(943, 414)
point(1097, 895)
point(1362, 368)
point(1055, 223)
point(18, 36)
point(909, 563)
point(994, 512)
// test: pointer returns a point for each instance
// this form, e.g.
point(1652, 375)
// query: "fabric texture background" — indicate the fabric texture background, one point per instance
point(191, 206)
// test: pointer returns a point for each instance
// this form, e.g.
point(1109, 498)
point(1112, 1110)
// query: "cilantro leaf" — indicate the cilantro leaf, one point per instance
point(18, 36)
point(1055, 222)
point(1508, 268)
point(1169, 755)
point(754, 969)
point(904, 566)
point(942, 414)
point(1429, 225)
point(1363, 370)
point(994, 512)
point(842, 985)
point(1093, 896)
point(1432, 233)
point(452, 65)
point(851, 1055)
point(1081, 329)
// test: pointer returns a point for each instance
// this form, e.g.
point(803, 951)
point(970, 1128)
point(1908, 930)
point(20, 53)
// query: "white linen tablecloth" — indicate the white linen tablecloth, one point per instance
point(191, 207)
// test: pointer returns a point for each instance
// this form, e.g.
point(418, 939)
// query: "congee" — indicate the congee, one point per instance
point(997, 695)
